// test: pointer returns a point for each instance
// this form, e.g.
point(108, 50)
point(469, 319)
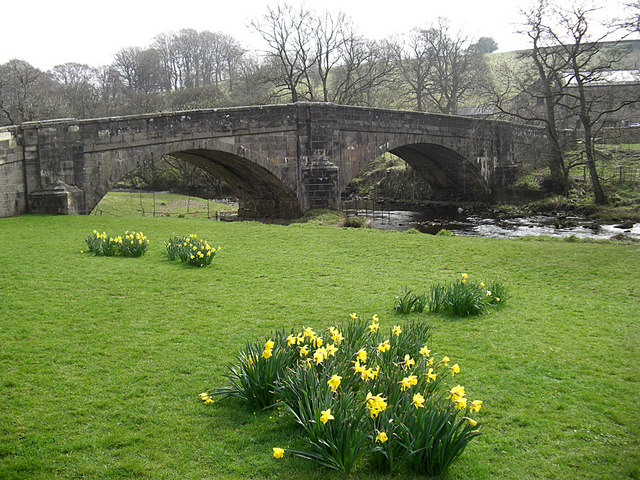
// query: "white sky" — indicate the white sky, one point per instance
point(48, 33)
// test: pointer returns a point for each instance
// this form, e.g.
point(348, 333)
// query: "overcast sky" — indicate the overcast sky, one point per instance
point(48, 33)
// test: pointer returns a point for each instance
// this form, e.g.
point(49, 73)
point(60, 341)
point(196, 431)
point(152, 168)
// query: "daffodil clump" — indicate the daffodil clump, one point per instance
point(131, 244)
point(362, 389)
point(464, 297)
point(191, 250)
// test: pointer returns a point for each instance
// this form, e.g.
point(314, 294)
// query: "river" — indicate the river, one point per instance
point(488, 224)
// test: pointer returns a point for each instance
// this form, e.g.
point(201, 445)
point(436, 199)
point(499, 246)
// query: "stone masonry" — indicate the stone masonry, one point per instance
point(281, 160)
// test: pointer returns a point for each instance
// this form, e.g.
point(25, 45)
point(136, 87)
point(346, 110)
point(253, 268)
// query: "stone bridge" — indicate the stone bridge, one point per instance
point(281, 160)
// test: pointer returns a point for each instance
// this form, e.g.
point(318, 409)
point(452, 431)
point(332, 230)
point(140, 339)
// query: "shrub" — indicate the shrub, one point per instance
point(363, 390)
point(357, 222)
point(445, 233)
point(134, 244)
point(191, 250)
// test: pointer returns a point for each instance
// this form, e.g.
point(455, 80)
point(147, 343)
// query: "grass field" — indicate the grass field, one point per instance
point(124, 204)
point(102, 359)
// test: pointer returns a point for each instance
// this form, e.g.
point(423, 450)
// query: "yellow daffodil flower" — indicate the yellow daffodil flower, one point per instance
point(396, 330)
point(445, 360)
point(361, 355)
point(334, 382)
point(375, 318)
point(269, 345)
point(291, 339)
point(308, 332)
point(354, 316)
point(405, 383)
point(375, 404)
point(331, 350)
point(425, 351)
point(374, 327)
point(456, 392)
point(418, 400)
point(278, 452)
point(384, 346)
point(381, 437)
point(304, 350)
point(266, 353)
point(326, 415)
point(455, 369)
point(408, 361)
point(475, 406)
point(430, 375)
point(461, 403)
point(319, 355)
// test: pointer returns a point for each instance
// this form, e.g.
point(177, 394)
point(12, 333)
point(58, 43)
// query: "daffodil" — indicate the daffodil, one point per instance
point(304, 350)
point(381, 437)
point(334, 382)
point(291, 339)
point(361, 355)
point(445, 360)
point(336, 336)
point(376, 404)
point(405, 383)
point(278, 452)
point(418, 400)
point(325, 415)
point(331, 350)
point(461, 403)
point(455, 369)
point(266, 353)
point(408, 361)
point(475, 406)
point(373, 328)
point(456, 392)
point(269, 345)
point(354, 316)
point(425, 351)
point(375, 318)
point(430, 375)
point(384, 346)
point(308, 332)
point(471, 421)
point(320, 355)
point(396, 330)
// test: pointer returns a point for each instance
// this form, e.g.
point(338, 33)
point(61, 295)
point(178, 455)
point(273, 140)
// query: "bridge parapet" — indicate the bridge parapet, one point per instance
point(281, 160)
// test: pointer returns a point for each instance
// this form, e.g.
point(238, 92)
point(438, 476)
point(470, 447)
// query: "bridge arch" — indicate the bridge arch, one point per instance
point(263, 188)
point(449, 173)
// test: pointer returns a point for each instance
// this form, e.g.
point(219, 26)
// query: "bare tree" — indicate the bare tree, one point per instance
point(27, 93)
point(366, 67)
point(589, 60)
point(78, 84)
point(291, 54)
point(414, 64)
point(455, 68)
point(331, 34)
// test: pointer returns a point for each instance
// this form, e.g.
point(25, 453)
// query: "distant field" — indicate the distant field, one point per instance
point(122, 204)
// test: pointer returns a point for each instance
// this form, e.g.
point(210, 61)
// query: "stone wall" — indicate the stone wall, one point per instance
point(12, 176)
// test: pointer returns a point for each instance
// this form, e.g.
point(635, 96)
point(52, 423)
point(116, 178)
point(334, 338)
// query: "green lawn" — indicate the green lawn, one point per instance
point(123, 204)
point(102, 359)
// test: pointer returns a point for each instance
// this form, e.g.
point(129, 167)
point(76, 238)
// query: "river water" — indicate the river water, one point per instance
point(488, 224)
